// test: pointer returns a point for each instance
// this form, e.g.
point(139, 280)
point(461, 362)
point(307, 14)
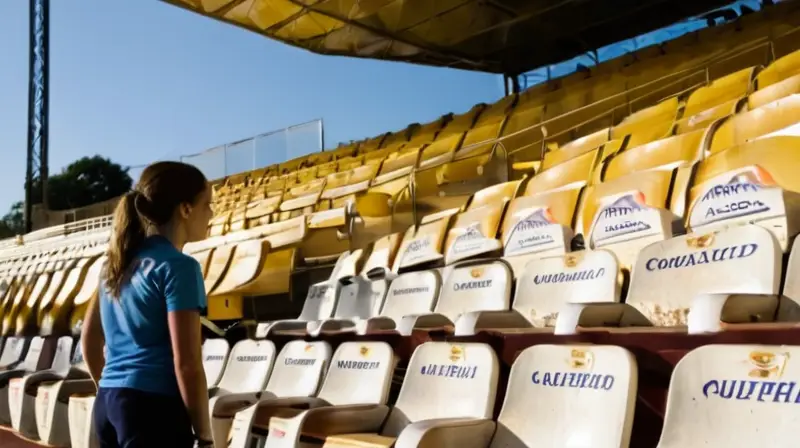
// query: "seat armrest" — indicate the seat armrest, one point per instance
point(72, 387)
point(473, 322)
point(9, 375)
point(324, 421)
point(708, 311)
point(460, 432)
point(428, 321)
point(571, 316)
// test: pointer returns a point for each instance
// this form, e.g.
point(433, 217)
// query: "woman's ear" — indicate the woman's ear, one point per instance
point(186, 210)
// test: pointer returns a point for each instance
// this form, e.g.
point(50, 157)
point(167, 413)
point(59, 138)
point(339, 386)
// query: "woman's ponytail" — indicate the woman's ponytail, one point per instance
point(128, 233)
point(162, 188)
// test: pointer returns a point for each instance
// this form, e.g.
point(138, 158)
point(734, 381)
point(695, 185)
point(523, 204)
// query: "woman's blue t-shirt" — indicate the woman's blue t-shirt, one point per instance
point(138, 346)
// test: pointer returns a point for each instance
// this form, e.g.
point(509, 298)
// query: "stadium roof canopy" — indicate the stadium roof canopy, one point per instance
point(500, 36)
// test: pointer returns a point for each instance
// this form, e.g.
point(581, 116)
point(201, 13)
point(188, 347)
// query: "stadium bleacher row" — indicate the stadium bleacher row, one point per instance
point(523, 274)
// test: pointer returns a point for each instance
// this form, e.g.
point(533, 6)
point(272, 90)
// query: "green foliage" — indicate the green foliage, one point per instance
point(86, 181)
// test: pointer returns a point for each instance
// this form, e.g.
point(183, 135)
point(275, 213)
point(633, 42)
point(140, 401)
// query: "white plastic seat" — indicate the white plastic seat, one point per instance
point(352, 398)
point(33, 362)
point(52, 404)
point(580, 396)
point(694, 281)
point(295, 380)
point(411, 293)
point(733, 396)
point(320, 301)
point(14, 350)
point(81, 423)
point(468, 287)
point(361, 296)
point(22, 391)
point(447, 400)
point(215, 355)
point(249, 366)
point(545, 285)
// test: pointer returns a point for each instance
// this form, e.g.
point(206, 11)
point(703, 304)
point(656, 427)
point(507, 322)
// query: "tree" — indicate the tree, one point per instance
point(13, 223)
point(87, 181)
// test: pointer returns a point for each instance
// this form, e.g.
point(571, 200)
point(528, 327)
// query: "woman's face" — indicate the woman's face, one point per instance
point(199, 216)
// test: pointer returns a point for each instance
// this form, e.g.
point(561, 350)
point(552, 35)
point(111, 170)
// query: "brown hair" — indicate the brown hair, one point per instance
point(162, 187)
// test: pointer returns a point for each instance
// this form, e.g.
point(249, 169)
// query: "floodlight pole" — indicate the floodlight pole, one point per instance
point(38, 106)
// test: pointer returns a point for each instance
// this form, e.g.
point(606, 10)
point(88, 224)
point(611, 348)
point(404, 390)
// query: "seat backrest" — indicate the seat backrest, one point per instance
point(445, 380)
point(249, 366)
point(34, 354)
point(560, 154)
point(551, 198)
point(733, 395)
point(669, 274)
point(755, 182)
point(215, 355)
point(569, 395)
point(13, 349)
point(729, 87)
point(776, 118)
point(360, 373)
point(779, 70)
point(411, 293)
point(299, 369)
point(475, 286)
point(63, 355)
point(546, 284)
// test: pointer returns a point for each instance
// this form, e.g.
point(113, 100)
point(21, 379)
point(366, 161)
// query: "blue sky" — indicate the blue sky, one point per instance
point(139, 81)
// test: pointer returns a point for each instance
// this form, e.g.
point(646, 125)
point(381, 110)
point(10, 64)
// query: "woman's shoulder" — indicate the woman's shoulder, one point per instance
point(168, 260)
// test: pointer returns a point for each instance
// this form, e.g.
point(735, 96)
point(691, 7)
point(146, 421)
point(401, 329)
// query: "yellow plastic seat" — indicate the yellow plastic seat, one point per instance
point(731, 87)
point(551, 197)
point(774, 92)
point(647, 125)
point(783, 68)
point(643, 194)
point(776, 118)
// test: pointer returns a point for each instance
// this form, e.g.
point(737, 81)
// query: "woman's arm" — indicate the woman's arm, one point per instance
point(184, 328)
point(93, 340)
point(185, 296)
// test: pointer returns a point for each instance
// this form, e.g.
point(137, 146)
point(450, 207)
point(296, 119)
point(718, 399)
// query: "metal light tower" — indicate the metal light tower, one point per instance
point(38, 107)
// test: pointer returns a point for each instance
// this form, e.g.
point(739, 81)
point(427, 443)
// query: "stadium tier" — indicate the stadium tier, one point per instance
point(609, 264)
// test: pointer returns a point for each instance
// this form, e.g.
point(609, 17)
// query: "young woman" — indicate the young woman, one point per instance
point(151, 384)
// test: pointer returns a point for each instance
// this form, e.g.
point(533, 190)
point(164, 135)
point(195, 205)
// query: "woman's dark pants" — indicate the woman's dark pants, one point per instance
point(130, 418)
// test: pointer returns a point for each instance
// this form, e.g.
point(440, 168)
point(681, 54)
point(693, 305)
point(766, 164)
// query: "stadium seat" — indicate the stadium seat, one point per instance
point(653, 179)
point(352, 398)
point(540, 221)
point(781, 69)
point(774, 92)
point(22, 391)
point(14, 350)
point(649, 124)
point(245, 375)
point(78, 287)
point(294, 381)
point(731, 395)
point(320, 301)
point(215, 356)
point(776, 118)
point(447, 399)
point(38, 357)
point(569, 395)
point(727, 88)
point(81, 424)
point(751, 183)
point(361, 296)
point(468, 286)
point(53, 400)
